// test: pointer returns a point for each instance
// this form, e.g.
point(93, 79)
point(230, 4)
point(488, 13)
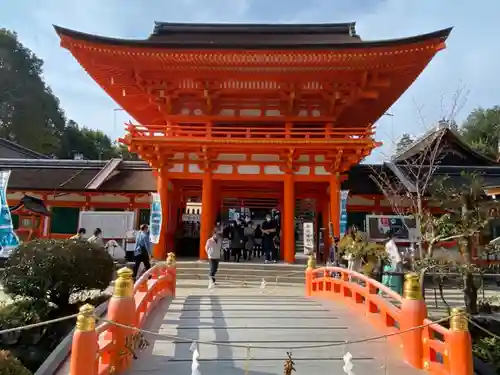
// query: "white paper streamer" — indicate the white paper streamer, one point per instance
point(195, 365)
point(348, 366)
point(262, 285)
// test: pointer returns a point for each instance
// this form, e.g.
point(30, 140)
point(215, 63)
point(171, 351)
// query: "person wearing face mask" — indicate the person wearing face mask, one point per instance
point(268, 233)
point(237, 240)
point(142, 251)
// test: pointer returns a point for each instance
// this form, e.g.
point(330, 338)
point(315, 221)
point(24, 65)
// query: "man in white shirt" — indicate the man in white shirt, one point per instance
point(213, 250)
point(394, 265)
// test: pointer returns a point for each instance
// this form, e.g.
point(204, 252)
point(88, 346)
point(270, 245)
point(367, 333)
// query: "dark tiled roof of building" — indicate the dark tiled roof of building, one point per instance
point(137, 177)
point(448, 140)
point(252, 36)
point(21, 149)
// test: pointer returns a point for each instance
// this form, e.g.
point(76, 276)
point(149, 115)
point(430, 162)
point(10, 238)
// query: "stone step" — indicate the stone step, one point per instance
point(231, 279)
point(254, 264)
point(224, 268)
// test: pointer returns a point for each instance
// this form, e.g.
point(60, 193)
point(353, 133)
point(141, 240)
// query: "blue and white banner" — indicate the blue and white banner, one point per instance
point(155, 218)
point(8, 238)
point(344, 194)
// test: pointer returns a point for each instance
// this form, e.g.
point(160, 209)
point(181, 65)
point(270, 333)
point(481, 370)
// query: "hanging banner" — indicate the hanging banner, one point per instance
point(344, 194)
point(308, 231)
point(8, 238)
point(155, 218)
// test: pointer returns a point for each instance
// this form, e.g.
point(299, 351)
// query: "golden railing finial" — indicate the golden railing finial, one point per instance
point(171, 260)
point(85, 321)
point(311, 262)
point(458, 320)
point(124, 284)
point(412, 288)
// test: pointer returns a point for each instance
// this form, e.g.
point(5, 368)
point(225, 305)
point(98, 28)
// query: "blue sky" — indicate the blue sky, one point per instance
point(471, 60)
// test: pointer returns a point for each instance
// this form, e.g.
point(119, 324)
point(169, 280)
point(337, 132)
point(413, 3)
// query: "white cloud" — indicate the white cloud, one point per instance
point(471, 57)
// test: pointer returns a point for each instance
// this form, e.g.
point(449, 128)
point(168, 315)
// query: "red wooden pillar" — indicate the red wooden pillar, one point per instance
point(206, 212)
point(289, 219)
point(335, 203)
point(325, 224)
point(162, 183)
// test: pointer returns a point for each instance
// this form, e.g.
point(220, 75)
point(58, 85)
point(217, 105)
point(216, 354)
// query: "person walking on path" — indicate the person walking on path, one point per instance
point(142, 251)
point(213, 250)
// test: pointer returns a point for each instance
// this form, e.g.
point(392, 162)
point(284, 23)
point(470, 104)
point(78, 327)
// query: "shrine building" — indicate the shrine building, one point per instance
point(250, 111)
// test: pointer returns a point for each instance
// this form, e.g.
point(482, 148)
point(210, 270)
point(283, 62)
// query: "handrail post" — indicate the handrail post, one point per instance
point(459, 344)
point(311, 264)
point(84, 347)
point(413, 313)
point(172, 271)
point(121, 309)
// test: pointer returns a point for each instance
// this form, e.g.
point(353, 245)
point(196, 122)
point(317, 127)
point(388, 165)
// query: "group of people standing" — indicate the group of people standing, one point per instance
point(242, 240)
point(142, 250)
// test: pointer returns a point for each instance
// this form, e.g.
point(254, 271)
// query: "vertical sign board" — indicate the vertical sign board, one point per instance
point(8, 238)
point(308, 230)
point(155, 219)
point(344, 194)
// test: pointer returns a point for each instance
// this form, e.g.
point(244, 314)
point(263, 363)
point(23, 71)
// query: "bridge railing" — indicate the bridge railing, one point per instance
point(402, 319)
point(109, 348)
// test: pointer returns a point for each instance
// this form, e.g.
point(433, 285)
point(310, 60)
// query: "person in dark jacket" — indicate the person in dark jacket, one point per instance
point(257, 236)
point(237, 240)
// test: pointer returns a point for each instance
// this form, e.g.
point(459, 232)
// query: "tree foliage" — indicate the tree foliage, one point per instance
point(481, 130)
point(30, 113)
point(10, 365)
point(404, 142)
point(466, 213)
point(53, 270)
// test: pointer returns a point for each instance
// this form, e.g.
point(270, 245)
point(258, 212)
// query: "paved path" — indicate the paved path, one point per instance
point(279, 318)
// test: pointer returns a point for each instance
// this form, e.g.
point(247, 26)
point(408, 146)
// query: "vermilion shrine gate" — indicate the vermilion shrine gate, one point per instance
point(252, 112)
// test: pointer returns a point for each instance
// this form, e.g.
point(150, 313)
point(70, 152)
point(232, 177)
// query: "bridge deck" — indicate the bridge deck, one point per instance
point(280, 319)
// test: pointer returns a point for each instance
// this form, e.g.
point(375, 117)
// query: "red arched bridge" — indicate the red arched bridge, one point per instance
point(343, 322)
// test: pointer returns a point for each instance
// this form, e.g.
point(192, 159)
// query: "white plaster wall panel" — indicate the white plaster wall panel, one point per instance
point(321, 171)
point(248, 169)
point(302, 113)
point(14, 196)
point(185, 111)
point(272, 169)
point(303, 158)
point(356, 200)
point(143, 199)
point(231, 157)
point(194, 168)
point(250, 112)
point(227, 112)
point(179, 168)
point(192, 156)
point(70, 197)
point(303, 170)
point(178, 156)
point(265, 157)
point(273, 112)
point(108, 198)
point(386, 203)
point(224, 169)
point(319, 158)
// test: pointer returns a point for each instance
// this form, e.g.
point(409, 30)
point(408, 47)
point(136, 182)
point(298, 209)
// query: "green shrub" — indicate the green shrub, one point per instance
point(488, 350)
point(52, 270)
point(10, 365)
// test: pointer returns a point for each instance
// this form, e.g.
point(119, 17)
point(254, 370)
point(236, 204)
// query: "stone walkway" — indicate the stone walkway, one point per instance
point(276, 317)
